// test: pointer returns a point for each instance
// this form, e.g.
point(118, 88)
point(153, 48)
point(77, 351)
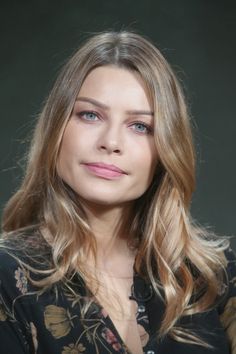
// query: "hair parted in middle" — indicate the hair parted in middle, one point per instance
point(169, 243)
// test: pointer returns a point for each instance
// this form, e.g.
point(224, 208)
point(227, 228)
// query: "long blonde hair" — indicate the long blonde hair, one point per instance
point(170, 245)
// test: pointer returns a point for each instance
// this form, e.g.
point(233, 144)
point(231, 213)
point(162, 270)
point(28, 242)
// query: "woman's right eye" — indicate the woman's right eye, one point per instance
point(88, 115)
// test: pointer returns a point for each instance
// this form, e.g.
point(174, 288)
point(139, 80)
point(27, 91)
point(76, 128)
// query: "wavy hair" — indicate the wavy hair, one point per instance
point(173, 252)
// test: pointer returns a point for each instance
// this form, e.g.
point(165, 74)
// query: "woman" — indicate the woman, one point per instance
point(99, 252)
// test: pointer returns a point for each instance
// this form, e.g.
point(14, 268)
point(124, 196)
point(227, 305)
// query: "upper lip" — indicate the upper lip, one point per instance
point(106, 166)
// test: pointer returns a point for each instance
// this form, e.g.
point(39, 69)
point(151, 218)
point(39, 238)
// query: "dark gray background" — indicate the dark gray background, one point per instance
point(198, 37)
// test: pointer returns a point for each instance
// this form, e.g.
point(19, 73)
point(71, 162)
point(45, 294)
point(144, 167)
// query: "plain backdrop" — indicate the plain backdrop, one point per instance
point(198, 37)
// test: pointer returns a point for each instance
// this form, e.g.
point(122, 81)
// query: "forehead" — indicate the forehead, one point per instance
point(112, 83)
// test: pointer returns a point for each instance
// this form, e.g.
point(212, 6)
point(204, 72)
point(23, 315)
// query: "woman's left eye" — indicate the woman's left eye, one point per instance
point(142, 128)
point(90, 116)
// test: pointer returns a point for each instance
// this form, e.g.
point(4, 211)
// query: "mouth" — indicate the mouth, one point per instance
point(103, 170)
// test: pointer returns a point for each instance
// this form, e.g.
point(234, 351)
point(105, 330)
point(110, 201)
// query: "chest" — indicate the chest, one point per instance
point(58, 324)
point(113, 295)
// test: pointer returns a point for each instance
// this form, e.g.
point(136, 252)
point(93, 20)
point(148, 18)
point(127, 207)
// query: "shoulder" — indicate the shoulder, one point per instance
point(18, 254)
point(24, 247)
point(13, 286)
point(8, 264)
point(227, 308)
point(7, 261)
point(230, 269)
point(13, 277)
point(231, 261)
point(228, 288)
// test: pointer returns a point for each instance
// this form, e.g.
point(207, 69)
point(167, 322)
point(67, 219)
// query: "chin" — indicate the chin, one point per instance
point(102, 201)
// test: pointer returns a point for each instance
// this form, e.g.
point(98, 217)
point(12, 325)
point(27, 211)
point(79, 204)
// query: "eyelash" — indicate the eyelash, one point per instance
point(149, 129)
point(81, 114)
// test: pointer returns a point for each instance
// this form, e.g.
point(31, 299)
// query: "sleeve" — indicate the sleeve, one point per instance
point(13, 328)
point(227, 309)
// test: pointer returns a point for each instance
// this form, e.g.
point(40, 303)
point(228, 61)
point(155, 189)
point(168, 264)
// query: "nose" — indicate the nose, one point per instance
point(110, 140)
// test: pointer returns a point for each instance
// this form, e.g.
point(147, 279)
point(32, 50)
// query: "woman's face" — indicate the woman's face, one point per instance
point(108, 155)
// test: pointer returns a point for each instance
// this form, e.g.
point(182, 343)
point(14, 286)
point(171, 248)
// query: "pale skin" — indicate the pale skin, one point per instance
point(112, 124)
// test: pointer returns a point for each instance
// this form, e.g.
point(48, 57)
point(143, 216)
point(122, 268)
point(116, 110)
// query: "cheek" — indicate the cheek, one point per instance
point(66, 154)
point(72, 142)
point(70, 138)
point(147, 159)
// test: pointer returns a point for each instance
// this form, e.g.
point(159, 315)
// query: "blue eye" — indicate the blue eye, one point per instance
point(90, 116)
point(142, 128)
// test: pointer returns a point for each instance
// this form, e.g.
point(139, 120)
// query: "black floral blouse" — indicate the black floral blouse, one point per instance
point(51, 322)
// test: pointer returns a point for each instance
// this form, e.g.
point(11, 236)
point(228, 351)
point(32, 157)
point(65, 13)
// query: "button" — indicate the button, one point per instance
point(141, 308)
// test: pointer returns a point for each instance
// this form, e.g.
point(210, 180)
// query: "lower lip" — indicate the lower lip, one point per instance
point(104, 172)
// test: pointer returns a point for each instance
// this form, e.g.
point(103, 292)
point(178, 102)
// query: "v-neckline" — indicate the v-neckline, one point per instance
point(109, 324)
point(107, 321)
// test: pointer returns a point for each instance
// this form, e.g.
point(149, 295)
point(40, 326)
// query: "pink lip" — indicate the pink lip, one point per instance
point(104, 170)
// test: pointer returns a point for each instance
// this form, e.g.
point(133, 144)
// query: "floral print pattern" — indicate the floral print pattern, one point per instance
point(55, 319)
point(110, 338)
point(228, 319)
point(34, 336)
point(74, 349)
point(233, 281)
point(22, 281)
point(3, 315)
point(58, 320)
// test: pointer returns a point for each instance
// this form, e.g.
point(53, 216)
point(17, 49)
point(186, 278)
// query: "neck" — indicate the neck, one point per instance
point(110, 226)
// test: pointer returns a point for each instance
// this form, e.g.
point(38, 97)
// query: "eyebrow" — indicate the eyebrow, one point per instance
point(106, 108)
